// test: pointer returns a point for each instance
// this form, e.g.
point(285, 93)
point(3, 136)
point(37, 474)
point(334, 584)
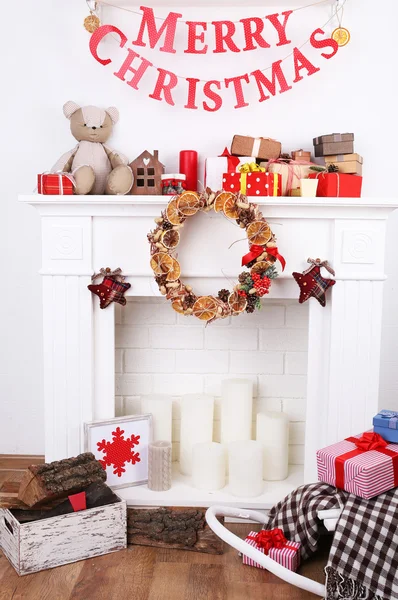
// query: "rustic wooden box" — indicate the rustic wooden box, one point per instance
point(56, 541)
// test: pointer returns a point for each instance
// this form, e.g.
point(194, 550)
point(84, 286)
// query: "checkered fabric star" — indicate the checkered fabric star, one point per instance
point(111, 289)
point(311, 282)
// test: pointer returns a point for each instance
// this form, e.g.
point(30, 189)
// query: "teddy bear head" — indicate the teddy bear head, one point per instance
point(90, 123)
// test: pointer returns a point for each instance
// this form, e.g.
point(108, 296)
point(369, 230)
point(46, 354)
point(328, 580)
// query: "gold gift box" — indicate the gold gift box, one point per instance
point(346, 163)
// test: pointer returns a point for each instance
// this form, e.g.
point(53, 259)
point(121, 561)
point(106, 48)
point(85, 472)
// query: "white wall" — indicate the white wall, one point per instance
point(46, 61)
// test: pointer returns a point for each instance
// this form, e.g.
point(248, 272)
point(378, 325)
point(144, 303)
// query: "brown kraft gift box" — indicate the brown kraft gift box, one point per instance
point(301, 155)
point(262, 148)
point(334, 143)
point(347, 163)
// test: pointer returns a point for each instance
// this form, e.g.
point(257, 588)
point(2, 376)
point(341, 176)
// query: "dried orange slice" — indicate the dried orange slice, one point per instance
point(170, 238)
point(259, 233)
point(177, 305)
point(188, 204)
point(205, 308)
point(161, 263)
point(172, 214)
point(230, 209)
point(341, 35)
point(220, 200)
point(175, 271)
point(237, 302)
point(261, 266)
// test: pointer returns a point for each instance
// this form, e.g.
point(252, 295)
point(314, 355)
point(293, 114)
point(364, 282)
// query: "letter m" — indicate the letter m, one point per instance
point(263, 82)
point(168, 27)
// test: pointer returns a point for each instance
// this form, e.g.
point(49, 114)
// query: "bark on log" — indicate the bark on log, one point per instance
point(59, 479)
point(172, 527)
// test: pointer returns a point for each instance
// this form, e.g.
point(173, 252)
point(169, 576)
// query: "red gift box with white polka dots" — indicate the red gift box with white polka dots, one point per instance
point(253, 184)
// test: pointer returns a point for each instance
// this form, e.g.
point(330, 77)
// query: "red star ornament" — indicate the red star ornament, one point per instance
point(311, 282)
point(110, 290)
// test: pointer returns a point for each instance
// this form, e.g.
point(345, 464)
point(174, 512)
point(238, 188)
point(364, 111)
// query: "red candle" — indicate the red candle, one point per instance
point(189, 167)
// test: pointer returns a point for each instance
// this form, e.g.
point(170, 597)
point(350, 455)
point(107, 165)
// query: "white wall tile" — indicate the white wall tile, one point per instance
point(294, 340)
point(148, 313)
point(177, 384)
point(119, 361)
point(149, 361)
point(296, 433)
point(297, 315)
point(270, 316)
point(296, 363)
point(176, 337)
point(197, 361)
point(130, 385)
point(231, 338)
point(266, 404)
point(283, 386)
point(295, 408)
point(256, 362)
point(296, 455)
point(131, 337)
point(132, 405)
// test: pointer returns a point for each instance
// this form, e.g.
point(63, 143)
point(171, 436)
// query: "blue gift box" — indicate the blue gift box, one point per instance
point(386, 424)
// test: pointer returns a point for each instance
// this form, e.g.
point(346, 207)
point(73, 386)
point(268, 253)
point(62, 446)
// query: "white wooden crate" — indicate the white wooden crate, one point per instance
point(56, 541)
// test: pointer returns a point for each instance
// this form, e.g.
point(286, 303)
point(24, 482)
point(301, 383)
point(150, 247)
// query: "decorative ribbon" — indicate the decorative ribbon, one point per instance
point(107, 272)
point(244, 170)
point(233, 161)
point(60, 182)
point(256, 251)
point(257, 144)
point(324, 173)
point(78, 501)
point(318, 263)
point(368, 441)
point(290, 166)
point(272, 538)
point(392, 416)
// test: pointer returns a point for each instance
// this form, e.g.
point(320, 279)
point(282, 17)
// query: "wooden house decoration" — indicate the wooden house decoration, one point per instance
point(147, 170)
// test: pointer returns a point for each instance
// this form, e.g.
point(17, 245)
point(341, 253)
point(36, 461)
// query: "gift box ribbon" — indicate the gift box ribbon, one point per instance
point(290, 166)
point(392, 416)
point(256, 251)
point(272, 538)
point(250, 168)
point(368, 441)
point(233, 161)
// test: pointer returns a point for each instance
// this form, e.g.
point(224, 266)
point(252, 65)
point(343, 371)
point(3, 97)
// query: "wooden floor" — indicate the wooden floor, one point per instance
point(142, 573)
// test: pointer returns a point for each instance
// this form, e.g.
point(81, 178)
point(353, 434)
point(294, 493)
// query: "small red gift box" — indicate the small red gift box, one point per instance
point(337, 185)
point(254, 183)
point(365, 465)
point(273, 543)
point(55, 184)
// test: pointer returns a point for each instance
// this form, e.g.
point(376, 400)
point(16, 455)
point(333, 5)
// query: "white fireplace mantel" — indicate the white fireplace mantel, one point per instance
point(82, 234)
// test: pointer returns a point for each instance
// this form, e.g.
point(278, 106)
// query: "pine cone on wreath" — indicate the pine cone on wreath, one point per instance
point(166, 226)
point(161, 280)
point(224, 295)
point(246, 217)
point(189, 301)
point(244, 278)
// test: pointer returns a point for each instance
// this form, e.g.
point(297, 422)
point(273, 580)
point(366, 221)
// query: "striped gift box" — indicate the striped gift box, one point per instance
point(288, 556)
point(55, 184)
point(365, 465)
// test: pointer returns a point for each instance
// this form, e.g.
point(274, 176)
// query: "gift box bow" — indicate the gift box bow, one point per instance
point(232, 161)
point(272, 538)
point(244, 170)
point(256, 251)
point(392, 416)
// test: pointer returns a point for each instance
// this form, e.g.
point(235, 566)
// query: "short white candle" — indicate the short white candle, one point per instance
point(208, 466)
point(245, 468)
point(160, 406)
point(308, 187)
point(236, 410)
point(196, 426)
point(273, 434)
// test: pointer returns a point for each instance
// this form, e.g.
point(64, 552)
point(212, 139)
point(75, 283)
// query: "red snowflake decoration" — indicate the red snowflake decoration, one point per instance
point(119, 452)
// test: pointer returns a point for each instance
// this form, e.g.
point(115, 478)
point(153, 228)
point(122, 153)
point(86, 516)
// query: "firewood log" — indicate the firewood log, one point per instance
point(59, 479)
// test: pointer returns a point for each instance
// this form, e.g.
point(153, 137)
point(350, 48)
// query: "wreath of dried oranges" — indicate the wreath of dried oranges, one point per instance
point(251, 286)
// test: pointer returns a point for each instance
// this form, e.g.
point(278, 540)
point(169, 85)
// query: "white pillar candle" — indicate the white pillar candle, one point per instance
point(160, 406)
point(245, 468)
point(208, 466)
point(159, 466)
point(273, 434)
point(308, 187)
point(196, 426)
point(236, 410)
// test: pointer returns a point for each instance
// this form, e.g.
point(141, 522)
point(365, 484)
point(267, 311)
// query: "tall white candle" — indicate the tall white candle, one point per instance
point(273, 434)
point(245, 468)
point(160, 406)
point(196, 426)
point(208, 466)
point(236, 410)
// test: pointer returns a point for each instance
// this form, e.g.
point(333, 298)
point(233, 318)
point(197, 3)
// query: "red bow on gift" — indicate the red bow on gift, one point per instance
point(273, 538)
point(370, 441)
point(255, 252)
point(233, 161)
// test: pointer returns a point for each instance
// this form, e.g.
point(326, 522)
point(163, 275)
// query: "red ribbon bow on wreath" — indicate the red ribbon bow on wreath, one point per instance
point(267, 539)
point(256, 250)
point(370, 441)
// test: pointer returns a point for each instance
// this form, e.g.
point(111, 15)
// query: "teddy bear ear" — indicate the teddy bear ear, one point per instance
point(69, 108)
point(113, 113)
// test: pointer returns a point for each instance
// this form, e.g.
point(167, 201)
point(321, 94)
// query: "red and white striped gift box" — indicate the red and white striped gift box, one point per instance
point(288, 556)
point(365, 465)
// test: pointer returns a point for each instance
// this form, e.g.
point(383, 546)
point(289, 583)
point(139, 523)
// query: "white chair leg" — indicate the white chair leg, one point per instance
point(227, 536)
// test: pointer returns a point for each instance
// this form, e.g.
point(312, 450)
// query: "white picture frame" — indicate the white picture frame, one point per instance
point(107, 440)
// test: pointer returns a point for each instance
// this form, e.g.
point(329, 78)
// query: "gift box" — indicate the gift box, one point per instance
point(273, 543)
point(216, 166)
point(338, 185)
point(55, 184)
point(253, 183)
point(301, 155)
point(365, 465)
point(290, 172)
point(385, 423)
point(334, 143)
point(346, 163)
point(262, 148)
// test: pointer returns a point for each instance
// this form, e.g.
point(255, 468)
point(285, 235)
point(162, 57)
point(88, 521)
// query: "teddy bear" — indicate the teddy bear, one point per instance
point(96, 168)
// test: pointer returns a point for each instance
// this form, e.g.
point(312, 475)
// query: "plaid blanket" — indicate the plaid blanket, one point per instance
point(363, 559)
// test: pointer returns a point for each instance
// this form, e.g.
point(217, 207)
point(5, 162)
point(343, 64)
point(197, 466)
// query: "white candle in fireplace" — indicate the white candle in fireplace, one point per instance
point(160, 406)
point(236, 410)
point(196, 426)
point(208, 466)
point(245, 460)
point(273, 434)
